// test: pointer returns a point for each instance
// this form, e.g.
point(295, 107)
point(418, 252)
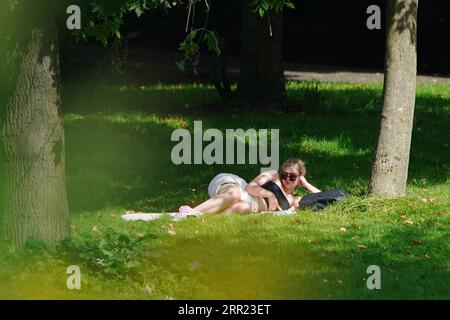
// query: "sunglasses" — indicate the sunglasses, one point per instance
point(289, 176)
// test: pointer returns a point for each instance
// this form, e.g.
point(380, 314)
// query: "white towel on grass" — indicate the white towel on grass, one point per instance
point(178, 216)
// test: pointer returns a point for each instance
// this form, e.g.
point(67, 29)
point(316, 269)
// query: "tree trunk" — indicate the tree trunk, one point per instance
point(34, 201)
point(219, 74)
point(261, 76)
point(390, 168)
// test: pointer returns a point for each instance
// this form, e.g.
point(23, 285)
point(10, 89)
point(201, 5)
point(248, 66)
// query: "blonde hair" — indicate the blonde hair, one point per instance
point(294, 162)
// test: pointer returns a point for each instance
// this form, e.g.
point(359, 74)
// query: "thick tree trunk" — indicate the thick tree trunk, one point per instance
point(390, 169)
point(34, 202)
point(261, 76)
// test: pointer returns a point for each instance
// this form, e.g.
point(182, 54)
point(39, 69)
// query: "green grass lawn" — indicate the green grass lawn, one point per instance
point(118, 158)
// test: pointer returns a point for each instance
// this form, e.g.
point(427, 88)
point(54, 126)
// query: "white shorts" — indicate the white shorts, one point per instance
point(218, 181)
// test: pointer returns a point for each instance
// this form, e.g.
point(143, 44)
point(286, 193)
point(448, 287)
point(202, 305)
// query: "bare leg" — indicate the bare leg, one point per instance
point(228, 196)
point(239, 207)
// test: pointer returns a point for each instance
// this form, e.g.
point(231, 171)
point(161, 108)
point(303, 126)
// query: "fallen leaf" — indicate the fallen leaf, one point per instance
point(95, 229)
point(171, 230)
point(355, 238)
point(149, 289)
point(343, 230)
point(417, 242)
point(133, 212)
point(426, 256)
point(428, 201)
point(408, 222)
point(361, 246)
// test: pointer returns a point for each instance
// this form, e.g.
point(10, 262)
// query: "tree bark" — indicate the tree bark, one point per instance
point(390, 168)
point(34, 201)
point(261, 77)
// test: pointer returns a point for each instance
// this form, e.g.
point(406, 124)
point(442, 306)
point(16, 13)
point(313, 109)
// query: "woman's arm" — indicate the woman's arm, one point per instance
point(296, 204)
point(308, 186)
point(254, 189)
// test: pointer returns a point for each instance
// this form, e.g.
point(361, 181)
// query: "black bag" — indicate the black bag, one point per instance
point(318, 201)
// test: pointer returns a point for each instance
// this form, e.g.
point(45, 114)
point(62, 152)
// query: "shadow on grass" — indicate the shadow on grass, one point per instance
point(160, 99)
point(118, 144)
point(412, 259)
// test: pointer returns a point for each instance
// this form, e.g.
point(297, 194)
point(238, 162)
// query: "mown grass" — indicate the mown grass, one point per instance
point(118, 158)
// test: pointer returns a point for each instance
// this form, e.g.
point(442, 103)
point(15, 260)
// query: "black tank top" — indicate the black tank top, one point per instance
point(276, 190)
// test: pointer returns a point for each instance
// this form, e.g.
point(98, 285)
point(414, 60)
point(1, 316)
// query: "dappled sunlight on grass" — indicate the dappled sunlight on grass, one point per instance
point(166, 87)
point(360, 98)
point(341, 146)
point(118, 152)
point(157, 98)
point(308, 255)
point(129, 118)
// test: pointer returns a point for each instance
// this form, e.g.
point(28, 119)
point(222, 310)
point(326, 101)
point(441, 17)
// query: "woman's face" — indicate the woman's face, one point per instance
point(289, 178)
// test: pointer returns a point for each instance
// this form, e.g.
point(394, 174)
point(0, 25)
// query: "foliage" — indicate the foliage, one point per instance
point(263, 7)
point(102, 19)
point(191, 46)
point(109, 253)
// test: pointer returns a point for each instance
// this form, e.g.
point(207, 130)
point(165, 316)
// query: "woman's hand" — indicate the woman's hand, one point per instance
point(308, 186)
point(303, 182)
point(273, 203)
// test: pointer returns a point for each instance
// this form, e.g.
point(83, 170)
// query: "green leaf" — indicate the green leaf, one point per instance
point(212, 42)
point(181, 65)
point(261, 11)
point(289, 5)
point(138, 11)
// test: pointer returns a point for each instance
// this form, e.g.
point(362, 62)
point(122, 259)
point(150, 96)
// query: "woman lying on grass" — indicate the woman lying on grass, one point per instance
point(231, 194)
